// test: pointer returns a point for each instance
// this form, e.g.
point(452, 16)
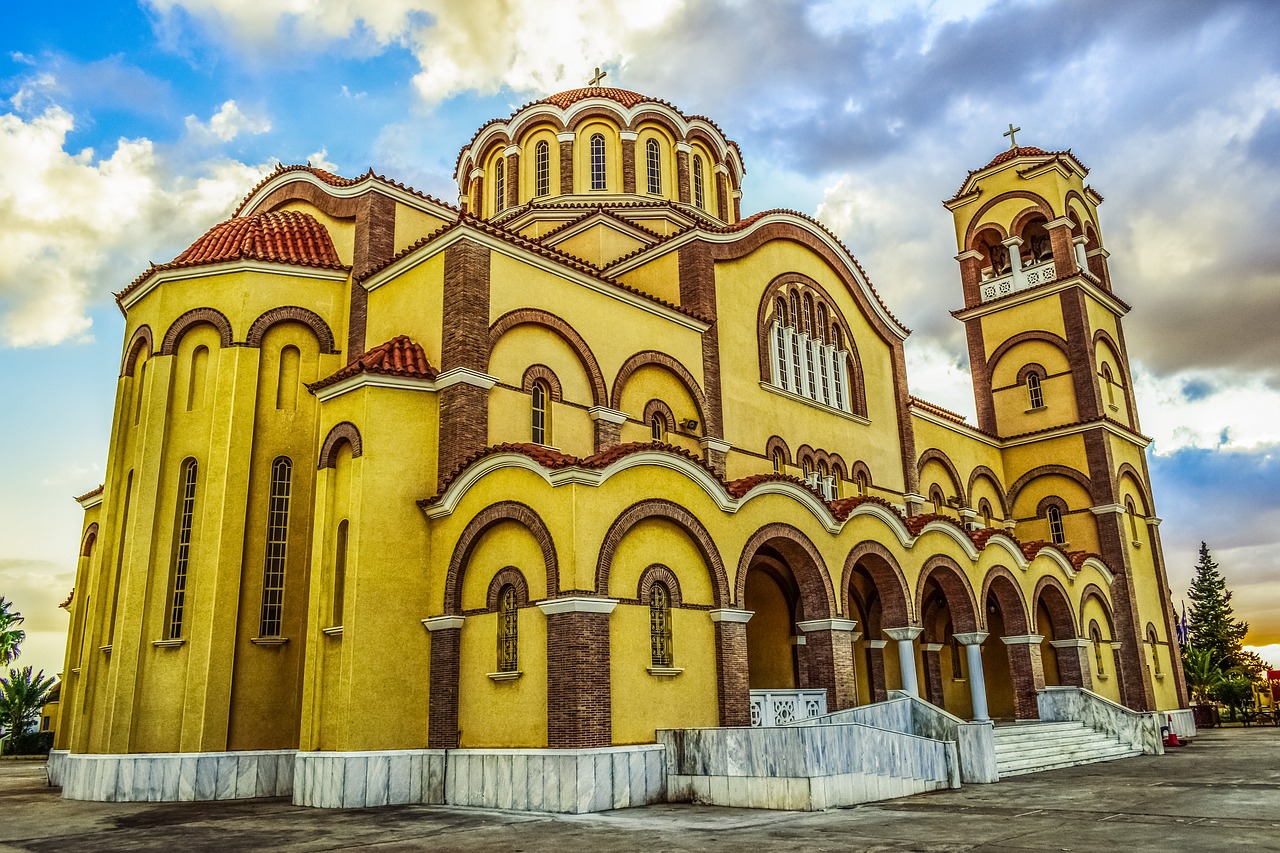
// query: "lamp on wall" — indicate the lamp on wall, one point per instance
point(688, 424)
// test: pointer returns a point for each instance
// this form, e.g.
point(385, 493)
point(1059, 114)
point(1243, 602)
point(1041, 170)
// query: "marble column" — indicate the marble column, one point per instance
point(906, 637)
point(972, 643)
point(732, 674)
point(1027, 670)
point(933, 692)
point(875, 670)
point(830, 652)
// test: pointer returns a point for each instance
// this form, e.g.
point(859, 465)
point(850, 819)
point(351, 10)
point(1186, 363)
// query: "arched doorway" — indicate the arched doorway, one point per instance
point(1060, 649)
point(1010, 658)
point(875, 590)
point(946, 608)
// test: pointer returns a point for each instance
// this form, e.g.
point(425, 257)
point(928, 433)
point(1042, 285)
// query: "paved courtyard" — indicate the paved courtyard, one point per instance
point(1221, 793)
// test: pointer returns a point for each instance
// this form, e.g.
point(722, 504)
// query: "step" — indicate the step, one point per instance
point(1033, 750)
point(1014, 731)
point(1019, 771)
point(1047, 755)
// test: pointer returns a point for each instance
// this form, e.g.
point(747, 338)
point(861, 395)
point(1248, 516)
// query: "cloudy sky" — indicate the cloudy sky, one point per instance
point(127, 130)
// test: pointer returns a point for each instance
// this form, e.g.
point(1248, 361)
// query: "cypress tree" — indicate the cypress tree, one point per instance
point(1212, 626)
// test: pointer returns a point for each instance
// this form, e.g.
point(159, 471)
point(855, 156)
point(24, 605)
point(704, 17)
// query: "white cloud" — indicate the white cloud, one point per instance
point(77, 226)
point(320, 159)
point(226, 124)
point(1269, 653)
point(1207, 409)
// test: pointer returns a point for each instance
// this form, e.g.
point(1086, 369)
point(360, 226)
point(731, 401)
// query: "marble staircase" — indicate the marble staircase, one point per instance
point(1034, 746)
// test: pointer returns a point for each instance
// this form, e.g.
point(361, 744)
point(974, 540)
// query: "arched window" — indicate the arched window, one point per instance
point(199, 373)
point(1034, 395)
point(806, 467)
point(287, 380)
point(653, 159)
point(1095, 635)
point(837, 337)
point(182, 548)
point(864, 485)
point(779, 462)
point(984, 509)
point(780, 309)
point(660, 624)
point(272, 616)
point(837, 479)
point(1132, 511)
point(935, 496)
point(339, 571)
point(1108, 384)
point(808, 314)
point(822, 322)
point(1056, 531)
point(542, 168)
point(699, 198)
point(658, 427)
point(541, 413)
point(499, 185)
point(795, 309)
point(508, 630)
point(597, 162)
point(1154, 642)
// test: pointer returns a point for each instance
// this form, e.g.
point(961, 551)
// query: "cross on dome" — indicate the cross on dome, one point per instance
point(1013, 140)
point(600, 75)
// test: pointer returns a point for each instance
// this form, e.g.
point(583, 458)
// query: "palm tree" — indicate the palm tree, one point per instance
point(1203, 675)
point(10, 636)
point(21, 697)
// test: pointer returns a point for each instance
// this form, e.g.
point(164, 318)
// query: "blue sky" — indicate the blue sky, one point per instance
point(126, 130)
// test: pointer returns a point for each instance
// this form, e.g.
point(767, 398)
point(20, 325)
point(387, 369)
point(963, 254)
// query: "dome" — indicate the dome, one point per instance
point(1013, 153)
point(285, 236)
point(568, 98)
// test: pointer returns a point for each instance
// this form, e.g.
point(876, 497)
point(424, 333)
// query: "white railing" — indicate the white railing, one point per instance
point(771, 708)
point(1017, 280)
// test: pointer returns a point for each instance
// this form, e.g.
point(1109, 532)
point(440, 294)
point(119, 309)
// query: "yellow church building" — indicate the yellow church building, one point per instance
point(398, 487)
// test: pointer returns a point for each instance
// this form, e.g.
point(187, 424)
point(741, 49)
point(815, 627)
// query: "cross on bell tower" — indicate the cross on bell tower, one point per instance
point(600, 75)
point(1013, 140)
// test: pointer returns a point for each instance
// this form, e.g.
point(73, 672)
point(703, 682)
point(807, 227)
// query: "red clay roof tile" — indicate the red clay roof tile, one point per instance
point(90, 493)
point(399, 356)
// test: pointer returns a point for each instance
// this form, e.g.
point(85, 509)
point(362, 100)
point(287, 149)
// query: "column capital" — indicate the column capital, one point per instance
point(1075, 643)
point(577, 604)
point(510, 150)
point(932, 647)
point(827, 625)
point(1012, 241)
point(604, 413)
point(728, 614)
point(972, 638)
point(712, 443)
point(906, 633)
point(567, 136)
point(877, 644)
point(442, 623)
point(1060, 222)
point(855, 636)
point(970, 255)
point(1103, 509)
point(628, 135)
point(1023, 640)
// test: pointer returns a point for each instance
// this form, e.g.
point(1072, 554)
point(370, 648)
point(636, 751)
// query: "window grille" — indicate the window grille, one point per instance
point(653, 158)
point(698, 198)
point(539, 413)
point(508, 630)
point(1034, 394)
point(339, 572)
point(660, 624)
point(182, 548)
point(499, 185)
point(542, 168)
point(597, 162)
point(1056, 531)
point(277, 547)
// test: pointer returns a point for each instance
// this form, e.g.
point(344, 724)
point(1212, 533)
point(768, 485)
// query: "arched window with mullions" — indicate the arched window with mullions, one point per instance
point(1131, 510)
point(542, 169)
point(653, 159)
point(658, 427)
point(272, 615)
point(660, 625)
point(499, 185)
point(1035, 395)
point(780, 309)
point(779, 461)
point(540, 413)
point(181, 549)
point(699, 195)
point(984, 510)
point(508, 630)
point(1056, 531)
point(1095, 635)
point(597, 162)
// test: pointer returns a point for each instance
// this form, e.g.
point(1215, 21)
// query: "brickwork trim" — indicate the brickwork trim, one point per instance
point(1057, 602)
point(886, 576)
point(1022, 337)
point(474, 532)
point(1047, 471)
point(89, 539)
point(342, 432)
point(956, 592)
point(566, 332)
point(658, 573)
point(659, 359)
point(508, 575)
point(291, 313)
point(141, 338)
point(935, 455)
point(976, 224)
point(817, 599)
point(540, 372)
point(191, 319)
point(1001, 583)
point(982, 472)
point(682, 518)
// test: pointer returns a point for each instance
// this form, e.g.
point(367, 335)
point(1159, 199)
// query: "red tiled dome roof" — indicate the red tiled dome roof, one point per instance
point(1021, 151)
point(285, 236)
point(400, 356)
point(565, 99)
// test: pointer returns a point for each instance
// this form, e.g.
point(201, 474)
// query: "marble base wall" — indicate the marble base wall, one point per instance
point(795, 794)
point(1139, 729)
point(177, 777)
point(353, 780)
point(1183, 722)
point(572, 781)
point(56, 767)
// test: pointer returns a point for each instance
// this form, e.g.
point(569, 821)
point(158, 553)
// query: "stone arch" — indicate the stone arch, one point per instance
point(538, 317)
point(982, 472)
point(343, 432)
point(977, 223)
point(1094, 591)
point(658, 573)
point(141, 337)
point(776, 442)
point(194, 317)
point(806, 564)
point(935, 455)
point(1001, 583)
point(504, 576)
point(1127, 472)
point(653, 357)
point(541, 373)
point(956, 589)
point(474, 532)
point(1058, 603)
point(258, 329)
point(1044, 471)
point(89, 540)
point(886, 574)
point(302, 189)
point(1023, 337)
point(661, 409)
point(682, 518)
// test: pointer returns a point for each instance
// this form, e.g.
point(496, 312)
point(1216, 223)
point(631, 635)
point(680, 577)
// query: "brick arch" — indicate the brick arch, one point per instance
point(600, 111)
point(540, 372)
point(658, 573)
point(1095, 591)
point(660, 359)
point(777, 442)
point(935, 455)
point(886, 574)
point(141, 337)
point(1045, 471)
point(1023, 219)
point(956, 589)
point(343, 432)
point(504, 576)
point(1127, 470)
point(977, 224)
point(983, 472)
point(860, 467)
point(531, 123)
point(89, 540)
point(474, 531)
point(1000, 582)
point(1022, 337)
point(538, 317)
point(817, 599)
point(1047, 501)
point(258, 329)
point(1058, 603)
point(192, 318)
point(304, 190)
point(657, 407)
point(677, 515)
point(1030, 368)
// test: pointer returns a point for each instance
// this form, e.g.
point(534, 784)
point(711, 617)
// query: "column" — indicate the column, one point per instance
point(566, 162)
point(1064, 257)
point(1014, 244)
point(464, 355)
point(716, 452)
point(1079, 243)
point(579, 698)
point(1027, 669)
point(875, 670)
point(972, 643)
point(907, 656)
point(1073, 662)
point(608, 426)
point(512, 153)
point(446, 662)
point(829, 647)
point(932, 673)
point(628, 138)
point(732, 684)
point(971, 276)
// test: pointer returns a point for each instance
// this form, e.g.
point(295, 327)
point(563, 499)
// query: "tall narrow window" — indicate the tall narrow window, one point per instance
point(339, 571)
point(658, 427)
point(287, 382)
point(822, 322)
point(124, 539)
point(778, 462)
point(780, 309)
point(277, 546)
point(1035, 395)
point(597, 162)
point(796, 365)
point(808, 316)
point(780, 334)
point(806, 467)
point(837, 380)
point(196, 382)
point(808, 364)
point(1109, 385)
point(541, 415)
point(499, 185)
point(863, 483)
point(1056, 532)
point(1132, 511)
point(660, 624)
point(1154, 642)
point(795, 309)
point(542, 169)
point(1095, 634)
point(182, 549)
point(508, 630)
point(984, 509)
point(699, 198)
point(936, 498)
point(653, 159)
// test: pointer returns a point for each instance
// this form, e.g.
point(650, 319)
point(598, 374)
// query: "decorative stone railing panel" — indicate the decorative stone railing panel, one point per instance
point(1012, 282)
point(783, 707)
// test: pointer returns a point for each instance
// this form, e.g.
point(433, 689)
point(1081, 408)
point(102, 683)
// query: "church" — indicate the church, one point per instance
point(587, 456)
